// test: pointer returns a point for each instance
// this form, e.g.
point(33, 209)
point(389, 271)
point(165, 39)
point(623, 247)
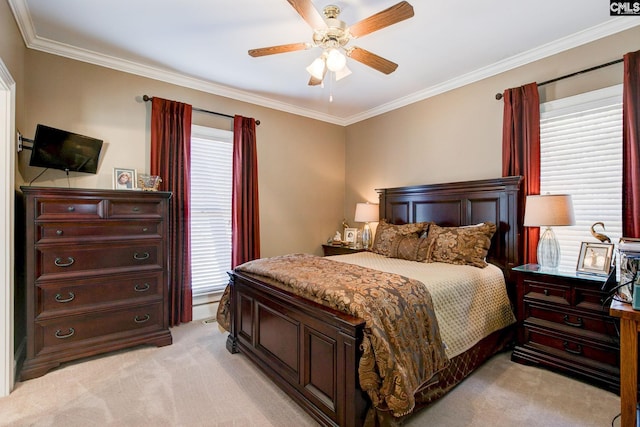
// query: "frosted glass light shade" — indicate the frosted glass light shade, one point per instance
point(316, 69)
point(335, 60)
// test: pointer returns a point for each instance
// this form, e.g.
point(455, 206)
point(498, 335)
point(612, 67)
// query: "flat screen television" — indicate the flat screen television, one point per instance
point(59, 149)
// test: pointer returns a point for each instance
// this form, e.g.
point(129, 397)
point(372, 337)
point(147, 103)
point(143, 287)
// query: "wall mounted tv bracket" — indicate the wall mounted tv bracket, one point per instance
point(21, 139)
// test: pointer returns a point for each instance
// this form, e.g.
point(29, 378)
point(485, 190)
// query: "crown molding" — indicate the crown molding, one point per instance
point(32, 41)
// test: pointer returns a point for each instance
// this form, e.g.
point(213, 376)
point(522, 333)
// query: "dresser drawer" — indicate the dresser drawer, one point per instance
point(547, 292)
point(105, 230)
point(590, 298)
point(63, 297)
point(574, 346)
point(56, 260)
point(580, 321)
point(69, 209)
point(135, 209)
point(78, 331)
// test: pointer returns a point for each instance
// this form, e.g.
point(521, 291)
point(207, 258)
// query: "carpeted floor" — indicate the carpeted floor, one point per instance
point(196, 382)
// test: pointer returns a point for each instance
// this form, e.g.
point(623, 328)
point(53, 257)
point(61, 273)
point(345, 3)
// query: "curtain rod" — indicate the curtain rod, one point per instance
point(597, 67)
point(147, 98)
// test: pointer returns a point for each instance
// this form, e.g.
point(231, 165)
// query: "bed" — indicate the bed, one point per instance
point(314, 352)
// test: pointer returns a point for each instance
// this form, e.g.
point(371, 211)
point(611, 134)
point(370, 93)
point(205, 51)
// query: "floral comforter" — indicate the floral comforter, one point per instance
point(402, 348)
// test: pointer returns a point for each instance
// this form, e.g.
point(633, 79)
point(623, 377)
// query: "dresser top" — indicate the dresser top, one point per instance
point(573, 274)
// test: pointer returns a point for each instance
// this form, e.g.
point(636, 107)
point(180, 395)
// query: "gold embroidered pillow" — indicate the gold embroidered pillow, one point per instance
point(468, 245)
point(386, 232)
point(411, 247)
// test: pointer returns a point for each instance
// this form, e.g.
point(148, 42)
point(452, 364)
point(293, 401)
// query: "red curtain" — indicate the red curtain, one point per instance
point(170, 159)
point(245, 223)
point(631, 146)
point(521, 152)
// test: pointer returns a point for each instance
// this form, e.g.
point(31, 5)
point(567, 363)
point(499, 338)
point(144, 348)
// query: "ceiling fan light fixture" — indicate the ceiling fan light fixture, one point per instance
point(316, 69)
point(341, 74)
point(336, 61)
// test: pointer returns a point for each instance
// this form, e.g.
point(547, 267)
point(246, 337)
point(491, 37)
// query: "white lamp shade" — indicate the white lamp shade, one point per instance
point(366, 212)
point(549, 210)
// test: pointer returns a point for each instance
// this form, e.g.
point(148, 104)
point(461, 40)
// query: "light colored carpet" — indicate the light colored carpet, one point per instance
point(196, 382)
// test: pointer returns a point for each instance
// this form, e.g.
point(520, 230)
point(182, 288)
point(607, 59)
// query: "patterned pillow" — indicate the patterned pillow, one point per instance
point(386, 232)
point(409, 247)
point(466, 245)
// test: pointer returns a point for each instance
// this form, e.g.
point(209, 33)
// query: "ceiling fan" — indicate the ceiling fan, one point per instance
point(332, 35)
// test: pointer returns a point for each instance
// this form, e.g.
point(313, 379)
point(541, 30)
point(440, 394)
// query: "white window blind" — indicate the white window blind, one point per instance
point(581, 155)
point(211, 174)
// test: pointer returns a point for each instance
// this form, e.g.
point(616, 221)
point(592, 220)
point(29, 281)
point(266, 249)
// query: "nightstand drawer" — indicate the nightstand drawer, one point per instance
point(581, 321)
point(572, 346)
point(547, 292)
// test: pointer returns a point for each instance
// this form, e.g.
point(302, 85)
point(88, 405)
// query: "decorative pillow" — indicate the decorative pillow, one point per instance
point(386, 232)
point(410, 247)
point(466, 245)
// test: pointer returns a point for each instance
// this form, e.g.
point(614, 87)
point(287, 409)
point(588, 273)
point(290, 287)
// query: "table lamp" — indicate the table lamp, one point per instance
point(548, 210)
point(366, 212)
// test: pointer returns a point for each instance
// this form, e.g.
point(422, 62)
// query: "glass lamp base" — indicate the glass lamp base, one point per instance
point(366, 236)
point(548, 249)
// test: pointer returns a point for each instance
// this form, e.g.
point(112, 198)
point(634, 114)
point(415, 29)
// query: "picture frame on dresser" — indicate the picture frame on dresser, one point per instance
point(595, 258)
point(124, 179)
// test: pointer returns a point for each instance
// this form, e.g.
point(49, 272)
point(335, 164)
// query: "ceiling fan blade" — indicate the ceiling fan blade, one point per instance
point(309, 13)
point(390, 16)
point(372, 60)
point(283, 48)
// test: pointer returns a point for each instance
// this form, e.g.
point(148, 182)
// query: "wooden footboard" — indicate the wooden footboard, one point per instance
point(310, 351)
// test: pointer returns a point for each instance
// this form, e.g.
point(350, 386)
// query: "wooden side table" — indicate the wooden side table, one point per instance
point(329, 250)
point(629, 328)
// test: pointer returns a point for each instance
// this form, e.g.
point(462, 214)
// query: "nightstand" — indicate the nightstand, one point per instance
point(340, 250)
point(563, 325)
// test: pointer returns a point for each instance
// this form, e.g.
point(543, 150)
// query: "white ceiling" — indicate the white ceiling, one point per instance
point(203, 44)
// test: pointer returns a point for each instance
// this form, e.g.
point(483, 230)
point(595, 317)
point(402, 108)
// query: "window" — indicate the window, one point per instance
point(211, 174)
point(581, 155)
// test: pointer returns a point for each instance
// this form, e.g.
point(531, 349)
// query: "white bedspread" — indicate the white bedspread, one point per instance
point(470, 302)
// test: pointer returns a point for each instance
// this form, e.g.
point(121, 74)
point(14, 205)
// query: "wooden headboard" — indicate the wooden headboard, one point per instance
point(464, 203)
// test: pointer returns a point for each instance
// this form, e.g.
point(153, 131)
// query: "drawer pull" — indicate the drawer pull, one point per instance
point(546, 292)
point(141, 288)
point(577, 351)
point(58, 298)
point(141, 319)
point(69, 334)
point(59, 263)
point(140, 257)
point(59, 232)
point(136, 209)
point(578, 324)
point(71, 208)
point(145, 229)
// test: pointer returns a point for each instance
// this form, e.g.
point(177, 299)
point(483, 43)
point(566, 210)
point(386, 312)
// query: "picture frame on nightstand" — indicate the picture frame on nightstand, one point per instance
point(350, 235)
point(595, 258)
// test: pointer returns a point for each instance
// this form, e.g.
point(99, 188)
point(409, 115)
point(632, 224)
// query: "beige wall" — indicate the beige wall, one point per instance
point(301, 161)
point(457, 136)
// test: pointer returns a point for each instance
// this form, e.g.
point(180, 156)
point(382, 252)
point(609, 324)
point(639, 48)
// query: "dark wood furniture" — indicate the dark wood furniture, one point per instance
point(311, 351)
point(563, 325)
point(629, 328)
point(95, 273)
point(329, 250)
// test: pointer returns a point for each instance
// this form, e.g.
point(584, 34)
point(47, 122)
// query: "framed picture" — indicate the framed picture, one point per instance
point(350, 235)
point(124, 179)
point(595, 258)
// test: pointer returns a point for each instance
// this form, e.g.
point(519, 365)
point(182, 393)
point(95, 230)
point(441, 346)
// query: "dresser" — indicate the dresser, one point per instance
point(563, 325)
point(95, 273)
point(329, 250)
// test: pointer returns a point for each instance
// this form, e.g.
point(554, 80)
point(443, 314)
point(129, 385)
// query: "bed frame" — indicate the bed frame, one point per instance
point(311, 351)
